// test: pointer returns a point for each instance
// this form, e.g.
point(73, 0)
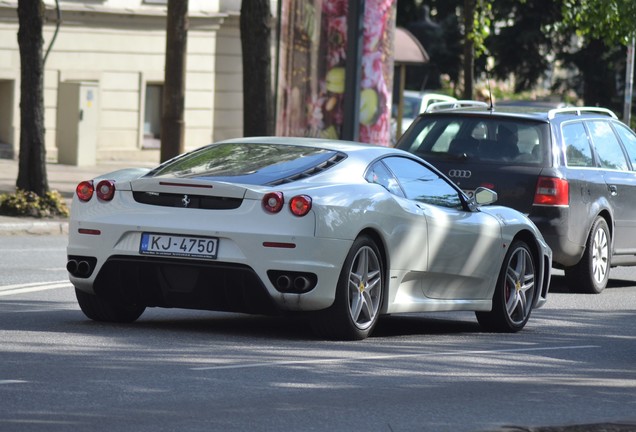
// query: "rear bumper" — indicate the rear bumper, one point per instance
point(554, 223)
point(242, 278)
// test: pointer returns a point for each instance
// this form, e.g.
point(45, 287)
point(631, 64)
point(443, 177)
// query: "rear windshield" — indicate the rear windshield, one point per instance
point(249, 163)
point(492, 140)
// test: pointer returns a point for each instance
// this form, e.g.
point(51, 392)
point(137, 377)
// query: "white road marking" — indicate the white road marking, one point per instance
point(12, 382)
point(387, 357)
point(8, 290)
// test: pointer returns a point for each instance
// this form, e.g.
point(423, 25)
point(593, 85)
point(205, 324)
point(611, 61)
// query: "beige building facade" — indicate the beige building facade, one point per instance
point(104, 76)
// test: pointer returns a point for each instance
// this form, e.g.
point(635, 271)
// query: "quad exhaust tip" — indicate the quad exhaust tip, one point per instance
point(292, 282)
point(81, 267)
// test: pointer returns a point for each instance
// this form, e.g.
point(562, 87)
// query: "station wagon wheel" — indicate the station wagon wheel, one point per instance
point(100, 309)
point(358, 295)
point(591, 273)
point(515, 291)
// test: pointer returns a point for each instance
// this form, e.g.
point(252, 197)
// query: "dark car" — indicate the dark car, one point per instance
point(571, 170)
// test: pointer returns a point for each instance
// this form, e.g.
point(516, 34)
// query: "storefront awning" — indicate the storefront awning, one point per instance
point(408, 50)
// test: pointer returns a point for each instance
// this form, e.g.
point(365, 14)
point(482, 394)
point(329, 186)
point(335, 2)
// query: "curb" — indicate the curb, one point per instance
point(33, 228)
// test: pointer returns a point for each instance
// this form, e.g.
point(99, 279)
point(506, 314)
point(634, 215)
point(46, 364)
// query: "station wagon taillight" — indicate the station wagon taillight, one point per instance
point(552, 191)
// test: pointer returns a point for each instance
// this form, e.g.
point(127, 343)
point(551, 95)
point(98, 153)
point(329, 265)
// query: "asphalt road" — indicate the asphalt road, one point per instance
point(574, 364)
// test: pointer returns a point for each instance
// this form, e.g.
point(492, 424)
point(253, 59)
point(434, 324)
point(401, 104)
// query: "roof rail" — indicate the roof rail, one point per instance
point(580, 111)
point(441, 106)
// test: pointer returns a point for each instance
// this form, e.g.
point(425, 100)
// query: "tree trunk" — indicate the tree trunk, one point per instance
point(32, 160)
point(469, 48)
point(256, 23)
point(172, 123)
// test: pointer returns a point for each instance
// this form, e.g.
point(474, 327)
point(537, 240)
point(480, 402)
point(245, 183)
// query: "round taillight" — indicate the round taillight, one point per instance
point(85, 190)
point(273, 202)
point(105, 190)
point(300, 205)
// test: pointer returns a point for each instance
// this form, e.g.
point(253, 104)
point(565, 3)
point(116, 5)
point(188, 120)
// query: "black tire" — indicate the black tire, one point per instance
point(591, 273)
point(99, 309)
point(515, 292)
point(359, 293)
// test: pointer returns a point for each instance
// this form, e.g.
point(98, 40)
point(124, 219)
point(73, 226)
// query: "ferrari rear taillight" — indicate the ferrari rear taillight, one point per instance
point(105, 190)
point(85, 190)
point(300, 205)
point(552, 191)
point(273, 202)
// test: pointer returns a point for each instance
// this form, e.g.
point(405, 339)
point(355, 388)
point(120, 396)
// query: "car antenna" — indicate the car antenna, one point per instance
point(492, 106)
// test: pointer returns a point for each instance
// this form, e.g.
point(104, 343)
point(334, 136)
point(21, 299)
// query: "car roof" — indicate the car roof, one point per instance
point(536, 113)
point(420, 93)
point(350, 147)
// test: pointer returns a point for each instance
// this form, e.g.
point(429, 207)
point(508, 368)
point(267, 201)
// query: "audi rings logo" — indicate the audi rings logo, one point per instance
point(457, 173)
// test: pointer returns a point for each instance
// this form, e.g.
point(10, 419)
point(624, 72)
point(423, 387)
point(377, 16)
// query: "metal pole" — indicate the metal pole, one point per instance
point(400, 113)
point(629, 83)
point(353, 70)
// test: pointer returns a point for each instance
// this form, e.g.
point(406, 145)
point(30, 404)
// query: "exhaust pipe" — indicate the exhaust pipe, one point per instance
point(301, 283)
point(283, 282)
point(71, 267)
point(83, 269)
point(80, 268)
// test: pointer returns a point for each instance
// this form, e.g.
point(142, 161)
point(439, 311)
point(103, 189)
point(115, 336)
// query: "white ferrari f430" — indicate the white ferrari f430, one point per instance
point(338, 231)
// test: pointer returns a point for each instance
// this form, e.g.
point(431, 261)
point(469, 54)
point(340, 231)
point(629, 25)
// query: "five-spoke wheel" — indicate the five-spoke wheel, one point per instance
point(515, 291)
point(359, 293)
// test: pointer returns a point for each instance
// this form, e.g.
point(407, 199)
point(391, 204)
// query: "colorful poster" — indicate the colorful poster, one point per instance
point(312, 63)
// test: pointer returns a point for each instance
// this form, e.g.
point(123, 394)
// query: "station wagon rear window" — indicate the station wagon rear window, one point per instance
point(491, 140)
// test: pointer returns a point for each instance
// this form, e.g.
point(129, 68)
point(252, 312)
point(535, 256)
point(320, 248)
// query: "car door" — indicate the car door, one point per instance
point(464, 247)
point(620, 182)
point(587, 188)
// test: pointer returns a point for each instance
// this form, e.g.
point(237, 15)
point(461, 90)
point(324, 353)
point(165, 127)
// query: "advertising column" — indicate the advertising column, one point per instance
point(311, 76)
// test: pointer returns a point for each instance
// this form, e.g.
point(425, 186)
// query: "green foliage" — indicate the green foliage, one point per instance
point(481, 27)
point(524, 40)
point(610, 20)
point(25, 203)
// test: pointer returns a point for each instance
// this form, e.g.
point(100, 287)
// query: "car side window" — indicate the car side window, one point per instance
point(419, 183)
point(379, 174)
point(629, 141)
point(607, 146)
point(577, 146)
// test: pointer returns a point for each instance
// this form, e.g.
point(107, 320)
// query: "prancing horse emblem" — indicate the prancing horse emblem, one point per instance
point(185, 201)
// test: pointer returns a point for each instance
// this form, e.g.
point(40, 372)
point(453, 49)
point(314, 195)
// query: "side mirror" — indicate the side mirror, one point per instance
point(485, 196)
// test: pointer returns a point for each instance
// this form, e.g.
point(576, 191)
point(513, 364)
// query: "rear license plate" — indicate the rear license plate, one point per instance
point(178, 245)
point(469, 193)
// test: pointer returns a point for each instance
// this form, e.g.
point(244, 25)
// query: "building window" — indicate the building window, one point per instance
point(152, 116)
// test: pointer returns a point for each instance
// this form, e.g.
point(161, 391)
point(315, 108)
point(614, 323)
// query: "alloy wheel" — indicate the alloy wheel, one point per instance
point(600, 256)
point(520, 286)
point(365, 287)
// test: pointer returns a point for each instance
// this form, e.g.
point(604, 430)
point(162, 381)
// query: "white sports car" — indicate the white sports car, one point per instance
point(341, 231)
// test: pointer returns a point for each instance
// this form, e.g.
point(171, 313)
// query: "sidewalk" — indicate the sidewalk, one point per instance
point(62, 178)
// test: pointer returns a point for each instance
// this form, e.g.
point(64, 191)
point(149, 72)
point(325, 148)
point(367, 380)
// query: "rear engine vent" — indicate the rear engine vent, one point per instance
point(187, 201)
point(334, 160)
